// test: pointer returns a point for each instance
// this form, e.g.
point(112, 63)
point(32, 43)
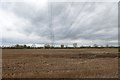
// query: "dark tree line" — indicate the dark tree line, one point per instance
point(47, 46)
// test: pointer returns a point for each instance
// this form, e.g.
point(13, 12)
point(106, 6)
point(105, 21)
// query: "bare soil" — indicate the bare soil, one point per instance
point(60, 63)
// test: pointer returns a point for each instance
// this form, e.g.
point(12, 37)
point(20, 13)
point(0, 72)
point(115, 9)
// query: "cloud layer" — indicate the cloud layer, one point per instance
point(66, 22)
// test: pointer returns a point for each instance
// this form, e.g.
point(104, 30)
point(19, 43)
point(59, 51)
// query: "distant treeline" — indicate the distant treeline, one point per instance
point(51, 47)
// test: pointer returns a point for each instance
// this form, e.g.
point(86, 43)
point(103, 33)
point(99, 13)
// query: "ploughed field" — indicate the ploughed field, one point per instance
point(60, 63)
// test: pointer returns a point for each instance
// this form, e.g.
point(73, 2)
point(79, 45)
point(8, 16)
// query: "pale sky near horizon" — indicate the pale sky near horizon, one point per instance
point(85, 23)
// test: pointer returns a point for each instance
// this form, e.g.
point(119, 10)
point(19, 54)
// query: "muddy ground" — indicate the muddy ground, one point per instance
point(60, 63)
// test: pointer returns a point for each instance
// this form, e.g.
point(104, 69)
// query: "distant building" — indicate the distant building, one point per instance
point(62, 46)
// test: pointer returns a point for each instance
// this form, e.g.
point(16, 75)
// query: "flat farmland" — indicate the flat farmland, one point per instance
point(60, 63)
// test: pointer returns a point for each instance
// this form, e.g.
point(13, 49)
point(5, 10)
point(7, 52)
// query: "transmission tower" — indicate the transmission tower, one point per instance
point(50, 23)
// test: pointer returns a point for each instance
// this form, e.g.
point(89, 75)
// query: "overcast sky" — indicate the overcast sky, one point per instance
point(86, 23)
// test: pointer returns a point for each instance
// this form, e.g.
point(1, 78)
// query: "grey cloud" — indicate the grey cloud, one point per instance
point(38, 18)
point(70, 21)
point(102, 21)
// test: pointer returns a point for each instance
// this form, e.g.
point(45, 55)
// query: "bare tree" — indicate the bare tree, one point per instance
point(95, 45)
point(47, 46)
point(107, 45)
point(74, 45)
point(33, 46)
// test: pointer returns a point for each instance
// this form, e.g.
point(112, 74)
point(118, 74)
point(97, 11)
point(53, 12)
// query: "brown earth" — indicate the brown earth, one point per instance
point(60, 63)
